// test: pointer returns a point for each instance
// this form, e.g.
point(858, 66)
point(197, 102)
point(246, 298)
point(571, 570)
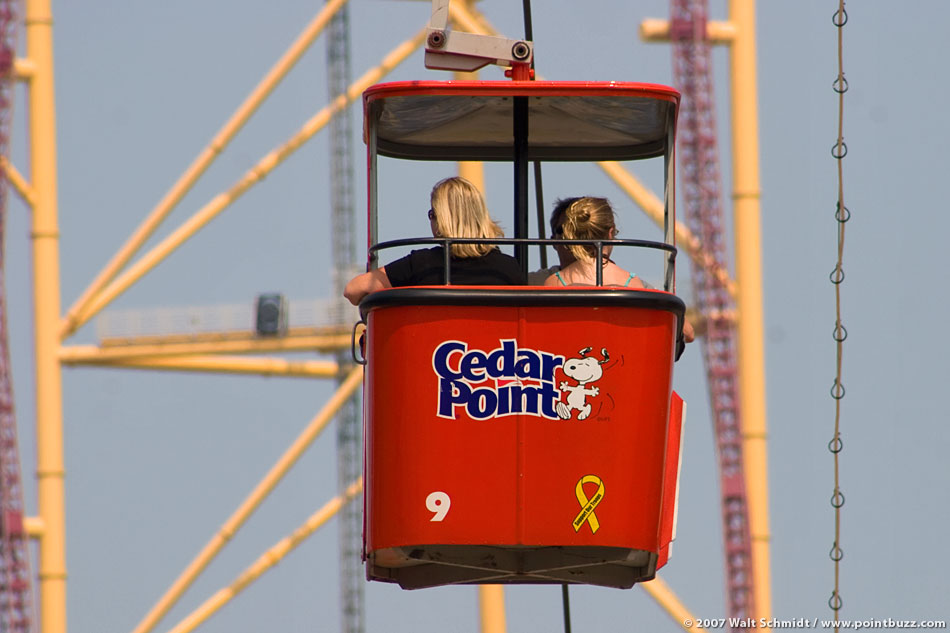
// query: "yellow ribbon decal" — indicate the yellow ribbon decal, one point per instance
point(587, 505)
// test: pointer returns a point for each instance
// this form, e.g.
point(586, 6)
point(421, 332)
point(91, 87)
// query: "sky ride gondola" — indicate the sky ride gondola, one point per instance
point(520, 435)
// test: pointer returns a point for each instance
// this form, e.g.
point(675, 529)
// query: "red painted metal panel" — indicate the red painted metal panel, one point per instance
point(511, 426)
point(671, 478)
point(522, 88)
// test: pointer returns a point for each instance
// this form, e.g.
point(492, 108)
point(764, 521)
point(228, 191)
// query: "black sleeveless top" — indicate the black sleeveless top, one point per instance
point(425, 267)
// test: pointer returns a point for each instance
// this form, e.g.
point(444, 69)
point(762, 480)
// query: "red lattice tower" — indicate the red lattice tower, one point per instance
point(16, 598)
point(699, 184)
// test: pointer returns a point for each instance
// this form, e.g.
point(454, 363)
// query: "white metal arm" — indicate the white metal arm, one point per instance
point(459, 51)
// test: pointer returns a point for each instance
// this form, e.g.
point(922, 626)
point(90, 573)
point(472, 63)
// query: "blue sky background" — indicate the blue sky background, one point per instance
point(156, 462)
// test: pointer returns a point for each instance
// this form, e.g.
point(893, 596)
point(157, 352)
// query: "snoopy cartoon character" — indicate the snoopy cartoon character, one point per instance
point(584, 370)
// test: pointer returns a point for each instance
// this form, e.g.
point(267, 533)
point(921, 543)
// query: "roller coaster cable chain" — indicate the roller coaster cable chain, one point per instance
point(838, 151)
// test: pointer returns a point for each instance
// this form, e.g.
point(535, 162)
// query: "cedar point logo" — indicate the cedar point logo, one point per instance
point(505, 381)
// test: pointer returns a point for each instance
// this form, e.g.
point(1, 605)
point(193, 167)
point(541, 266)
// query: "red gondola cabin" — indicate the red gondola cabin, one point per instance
point(520, 434)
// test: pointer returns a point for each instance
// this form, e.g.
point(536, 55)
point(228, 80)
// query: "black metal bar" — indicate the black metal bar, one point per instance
point(538, 189)
point(566, 600)
point(447, 260)
point(500, 241)
point(526, 10)
point(599, 270)
point(539, 202)
point(521, 178)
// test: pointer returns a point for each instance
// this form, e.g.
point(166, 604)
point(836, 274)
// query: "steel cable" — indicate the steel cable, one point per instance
point(838, 151)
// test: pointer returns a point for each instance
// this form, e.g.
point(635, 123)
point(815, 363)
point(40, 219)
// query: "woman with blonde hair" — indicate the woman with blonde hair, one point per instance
point(457, 209)
point(589, 218)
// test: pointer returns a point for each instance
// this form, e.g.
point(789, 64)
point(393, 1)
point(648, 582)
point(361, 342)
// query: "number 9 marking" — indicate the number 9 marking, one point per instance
point(439, 503)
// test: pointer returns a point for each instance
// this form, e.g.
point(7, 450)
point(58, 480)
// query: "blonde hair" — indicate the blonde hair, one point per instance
point(460, 211)
point(587, 219)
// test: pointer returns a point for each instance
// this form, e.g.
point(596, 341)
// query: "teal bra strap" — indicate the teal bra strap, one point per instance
point(629, 279)
point(559, 278)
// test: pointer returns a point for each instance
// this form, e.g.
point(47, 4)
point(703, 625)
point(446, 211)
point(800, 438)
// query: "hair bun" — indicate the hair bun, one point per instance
point(578, 211)
point(588, 218)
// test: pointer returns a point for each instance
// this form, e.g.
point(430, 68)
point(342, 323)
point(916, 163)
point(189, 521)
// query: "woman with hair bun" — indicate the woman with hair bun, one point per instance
point(457, 209)
point(589, 218)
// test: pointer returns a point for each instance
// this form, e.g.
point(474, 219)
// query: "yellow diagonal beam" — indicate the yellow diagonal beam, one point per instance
point(665, 597)
point(469, 20)
point(267, 484)
point(267, 560)
point(257, 173)
point(653, 207)
point(229, 365)
point(187, 180)
point(20, 185)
